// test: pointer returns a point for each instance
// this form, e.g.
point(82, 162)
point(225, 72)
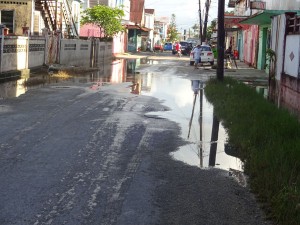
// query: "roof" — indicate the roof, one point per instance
point(149, 11)
point(264, 18)
point(233, 20)
point(137, 27)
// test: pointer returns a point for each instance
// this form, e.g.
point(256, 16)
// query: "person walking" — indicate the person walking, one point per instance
point(197, 55)
point(178, 49)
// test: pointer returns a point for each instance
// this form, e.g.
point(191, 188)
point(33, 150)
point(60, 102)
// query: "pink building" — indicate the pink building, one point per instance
point(250, 35)
point(90, 30)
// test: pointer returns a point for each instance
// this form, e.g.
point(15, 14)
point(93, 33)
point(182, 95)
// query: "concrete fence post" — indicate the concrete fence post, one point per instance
point(2, 46)
point(27, 50)
point(58, 46)
point(45, 34)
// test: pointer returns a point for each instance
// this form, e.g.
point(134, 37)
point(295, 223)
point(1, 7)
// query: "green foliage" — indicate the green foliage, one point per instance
point(196, 29)
point(231, 12)
point(106, 18)
point(268, 140)
point(172, 32)
point(271, 55)
point(211, 28)
point(271, 60)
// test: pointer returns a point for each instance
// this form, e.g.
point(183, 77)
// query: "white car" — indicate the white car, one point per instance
point(207, 55)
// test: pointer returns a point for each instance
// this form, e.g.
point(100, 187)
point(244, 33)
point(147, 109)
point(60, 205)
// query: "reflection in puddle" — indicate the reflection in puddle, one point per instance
point(185, 98)
point(199, 127)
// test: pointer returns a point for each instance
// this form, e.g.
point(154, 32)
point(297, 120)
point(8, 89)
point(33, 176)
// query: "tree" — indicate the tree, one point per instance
point(211, 28)
point(172, 30)
point(207, 6)
point(196, 30)
point(106, 18)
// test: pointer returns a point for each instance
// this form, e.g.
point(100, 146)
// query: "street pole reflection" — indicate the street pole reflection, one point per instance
point(197, 86)
point(214, 141)
point(200, 124)
point(191, 119)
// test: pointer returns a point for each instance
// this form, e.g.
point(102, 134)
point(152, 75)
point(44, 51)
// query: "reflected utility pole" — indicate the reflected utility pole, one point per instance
point(214, 141)
point(191, 119)
point(200, 123)
point(221, 40)
point(195, 88)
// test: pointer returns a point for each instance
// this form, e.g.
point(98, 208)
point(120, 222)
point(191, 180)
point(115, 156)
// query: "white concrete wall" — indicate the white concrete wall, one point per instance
point(75, 52)
point(14, 54)
point(104, 51)
point(36, 55)
point(19, 53)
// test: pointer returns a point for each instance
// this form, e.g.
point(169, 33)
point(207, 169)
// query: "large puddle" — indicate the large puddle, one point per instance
point(204, 133)
point(205, 136)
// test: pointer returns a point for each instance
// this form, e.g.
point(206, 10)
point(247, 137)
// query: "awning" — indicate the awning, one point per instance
point(137, 27)
point(232, 23)
point(233, 20)
point(264, 18)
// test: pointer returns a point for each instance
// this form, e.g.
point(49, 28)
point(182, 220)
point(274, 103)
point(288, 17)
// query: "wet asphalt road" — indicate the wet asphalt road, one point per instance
point(72, 154)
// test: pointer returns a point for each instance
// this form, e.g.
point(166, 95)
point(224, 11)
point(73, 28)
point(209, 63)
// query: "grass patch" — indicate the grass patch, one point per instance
point(269, 144)
point(62, 75)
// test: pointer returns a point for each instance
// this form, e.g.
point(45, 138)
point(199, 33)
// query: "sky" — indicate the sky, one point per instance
point(186, 11)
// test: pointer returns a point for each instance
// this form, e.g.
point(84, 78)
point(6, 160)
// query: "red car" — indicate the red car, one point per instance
point(158, 47)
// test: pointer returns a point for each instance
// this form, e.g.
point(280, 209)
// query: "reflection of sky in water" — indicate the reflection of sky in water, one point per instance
point(177, 94)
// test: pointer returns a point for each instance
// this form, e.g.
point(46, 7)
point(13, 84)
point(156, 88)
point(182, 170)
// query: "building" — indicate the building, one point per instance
point(149, 23)
point(138, 34)
point(28, 16)
point(275, 46)
point(257, 26)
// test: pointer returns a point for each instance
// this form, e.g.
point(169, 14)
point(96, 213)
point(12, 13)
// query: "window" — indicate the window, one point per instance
point(206, 48)
point(7, 18)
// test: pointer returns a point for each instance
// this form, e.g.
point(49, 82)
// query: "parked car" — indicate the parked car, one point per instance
point(168, 46)
point(207, 55)
point(184, 47)
point(158, 47)
point(174, 49)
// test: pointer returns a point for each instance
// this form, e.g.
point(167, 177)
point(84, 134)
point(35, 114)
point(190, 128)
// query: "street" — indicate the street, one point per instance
point(99, 151)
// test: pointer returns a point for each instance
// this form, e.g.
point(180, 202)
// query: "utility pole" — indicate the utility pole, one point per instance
point(221, 40)
point(207, 5)
point(200, 21)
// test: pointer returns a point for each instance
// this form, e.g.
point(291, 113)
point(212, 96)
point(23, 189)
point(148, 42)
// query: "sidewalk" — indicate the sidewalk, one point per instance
point(247, 74)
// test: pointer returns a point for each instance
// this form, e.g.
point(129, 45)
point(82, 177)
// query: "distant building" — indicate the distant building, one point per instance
point(23, 16)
